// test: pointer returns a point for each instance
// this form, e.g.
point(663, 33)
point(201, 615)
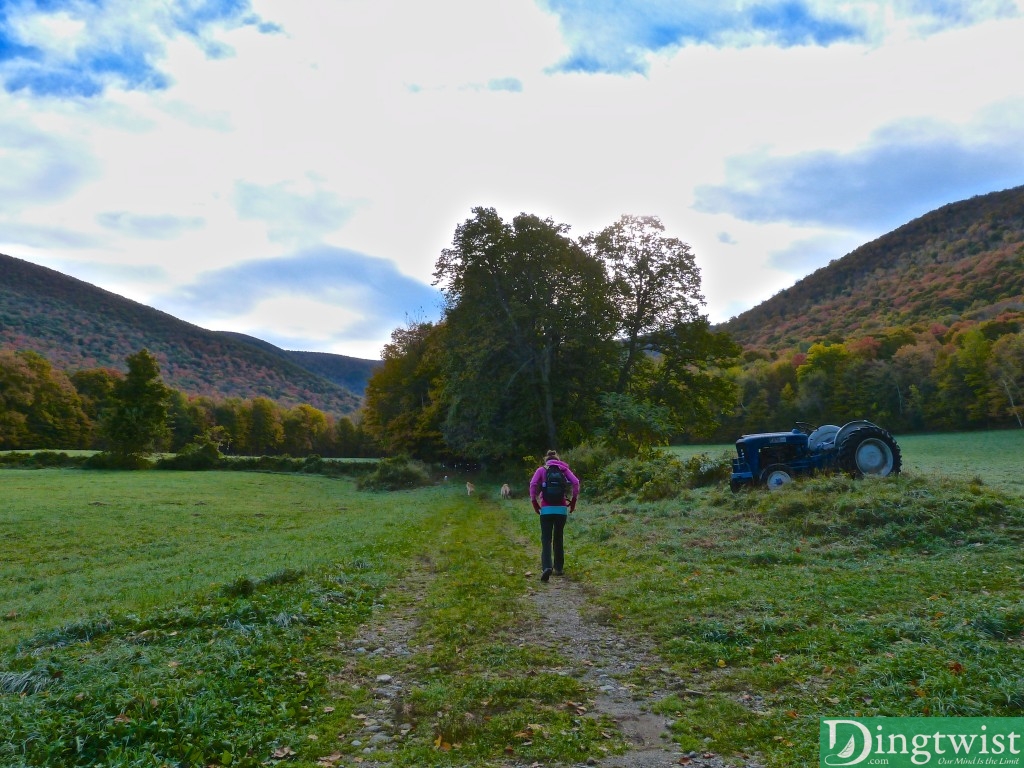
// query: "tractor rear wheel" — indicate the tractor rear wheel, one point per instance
point(776, 475)
point(869, 451)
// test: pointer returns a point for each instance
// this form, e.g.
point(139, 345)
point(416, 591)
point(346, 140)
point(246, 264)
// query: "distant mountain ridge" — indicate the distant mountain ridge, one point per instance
point(961, 262)
point(352, 373)
point(77, 325)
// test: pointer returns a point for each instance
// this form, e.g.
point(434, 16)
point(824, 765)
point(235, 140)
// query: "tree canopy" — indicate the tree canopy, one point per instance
point(528, 342)
point(39, 406)
point(137, 421)
point(538, 329)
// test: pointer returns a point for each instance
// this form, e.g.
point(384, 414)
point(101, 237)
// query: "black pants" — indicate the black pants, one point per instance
point(552, 528)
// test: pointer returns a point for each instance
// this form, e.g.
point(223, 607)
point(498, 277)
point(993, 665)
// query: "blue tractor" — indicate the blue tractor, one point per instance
point(861, 448)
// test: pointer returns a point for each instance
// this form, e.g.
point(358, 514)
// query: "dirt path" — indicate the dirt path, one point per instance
point(604, 658)
point(598, 655)
point(625, 676)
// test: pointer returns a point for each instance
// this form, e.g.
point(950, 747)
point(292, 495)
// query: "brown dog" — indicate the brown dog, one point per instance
point(506, 492)
point(470, 488)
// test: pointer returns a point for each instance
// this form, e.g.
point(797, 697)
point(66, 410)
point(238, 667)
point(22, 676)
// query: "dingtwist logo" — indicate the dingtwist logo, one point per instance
point(912, 742)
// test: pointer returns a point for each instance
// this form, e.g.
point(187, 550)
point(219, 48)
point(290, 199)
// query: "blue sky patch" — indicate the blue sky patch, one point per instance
point(161, 227)
point(793, 24)
point(617, 37)
point(370, 286)
point(111, 47)
point(900, 175)
point(511, 84)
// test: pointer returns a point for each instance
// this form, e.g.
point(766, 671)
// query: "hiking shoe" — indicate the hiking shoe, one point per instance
point(546, 575)
point(557, 572)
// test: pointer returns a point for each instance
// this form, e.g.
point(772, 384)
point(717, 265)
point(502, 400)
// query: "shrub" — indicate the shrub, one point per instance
point(705, 470)
point(40, 459)
point(650, 476)
point(264, 464)
point(654, 475)
point(202, 453)
point(393, 475)
point(589, 459)
point(111, 460)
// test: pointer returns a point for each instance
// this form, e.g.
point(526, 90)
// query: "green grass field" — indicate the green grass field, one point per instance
point(78, 543)
point(174, 618)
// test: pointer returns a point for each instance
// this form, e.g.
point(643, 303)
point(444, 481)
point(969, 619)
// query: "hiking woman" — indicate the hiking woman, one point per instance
point(554, 490)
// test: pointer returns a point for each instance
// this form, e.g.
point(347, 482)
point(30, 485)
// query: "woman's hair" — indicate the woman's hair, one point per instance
point(551, 455)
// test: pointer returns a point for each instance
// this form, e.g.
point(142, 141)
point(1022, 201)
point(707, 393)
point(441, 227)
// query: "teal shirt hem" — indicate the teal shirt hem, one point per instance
point(554, 511)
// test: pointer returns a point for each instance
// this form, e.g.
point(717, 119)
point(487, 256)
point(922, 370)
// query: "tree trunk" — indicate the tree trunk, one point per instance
point(1013, 406)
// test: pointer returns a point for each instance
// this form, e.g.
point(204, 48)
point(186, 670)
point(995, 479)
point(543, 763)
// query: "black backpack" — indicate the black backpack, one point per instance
point(554, 486)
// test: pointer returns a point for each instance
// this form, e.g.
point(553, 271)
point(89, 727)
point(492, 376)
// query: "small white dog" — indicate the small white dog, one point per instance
point(470, 488)
point(506, 492)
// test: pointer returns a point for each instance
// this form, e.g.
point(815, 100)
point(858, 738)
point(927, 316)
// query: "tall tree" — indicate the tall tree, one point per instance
point(56, 418)
point(669, 357)
point(95, 386)
point(1007, 375)
point(688, 376)
point(235, 416)
point(655, 283)
point(529, 325)
point(136, 422)
point(15, 399)
point(401, 408)
point(305, 430)
point(266, 431)
point(39, 407)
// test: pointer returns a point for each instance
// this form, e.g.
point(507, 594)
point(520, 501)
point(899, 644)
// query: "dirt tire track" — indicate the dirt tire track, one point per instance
point(603, 657)
point(600, 656)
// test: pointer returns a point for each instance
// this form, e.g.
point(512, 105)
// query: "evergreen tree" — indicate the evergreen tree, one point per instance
point(136, 421)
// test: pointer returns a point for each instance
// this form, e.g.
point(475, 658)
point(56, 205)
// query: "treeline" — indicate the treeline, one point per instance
point(44, 407)
point(966, 377)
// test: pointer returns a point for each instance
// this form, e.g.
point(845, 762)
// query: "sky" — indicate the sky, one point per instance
point(292, 170)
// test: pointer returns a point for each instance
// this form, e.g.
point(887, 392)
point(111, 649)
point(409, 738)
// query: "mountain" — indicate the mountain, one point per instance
point(349, 372)
point(76, 325)
point(961, 263)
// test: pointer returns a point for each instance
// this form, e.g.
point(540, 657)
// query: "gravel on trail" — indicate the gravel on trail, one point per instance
point(598, 655)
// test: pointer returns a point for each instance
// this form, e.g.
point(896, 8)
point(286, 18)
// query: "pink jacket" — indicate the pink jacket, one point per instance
point(538, 479)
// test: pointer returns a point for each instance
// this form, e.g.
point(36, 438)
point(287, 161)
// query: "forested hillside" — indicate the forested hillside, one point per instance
point(352, 373)
point(922, 329)
point(961, 262)
point(76, 326)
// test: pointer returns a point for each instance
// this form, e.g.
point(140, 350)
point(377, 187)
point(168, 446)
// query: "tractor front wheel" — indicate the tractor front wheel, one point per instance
point(870, 451)
point(776, 475)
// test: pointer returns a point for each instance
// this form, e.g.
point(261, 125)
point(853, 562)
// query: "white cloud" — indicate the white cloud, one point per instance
point(237, 139)
point(156, 227)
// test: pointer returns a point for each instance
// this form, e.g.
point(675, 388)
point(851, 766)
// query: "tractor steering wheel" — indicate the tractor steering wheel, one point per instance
point(804, 427)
